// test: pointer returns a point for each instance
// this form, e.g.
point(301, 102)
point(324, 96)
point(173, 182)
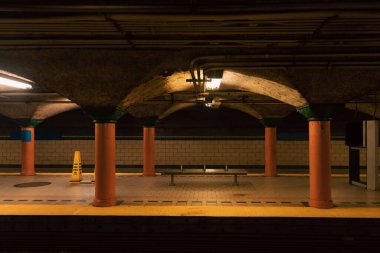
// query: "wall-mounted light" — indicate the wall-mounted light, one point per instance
point(215, 79)
point(13, 81)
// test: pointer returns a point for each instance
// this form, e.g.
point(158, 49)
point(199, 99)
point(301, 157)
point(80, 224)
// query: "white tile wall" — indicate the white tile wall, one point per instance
point(239, 152)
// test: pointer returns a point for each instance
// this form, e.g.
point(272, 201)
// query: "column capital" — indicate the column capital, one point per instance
point(25, 122)
point(270, 122)
point(149, 122)
point(318, 112)
point(104, 114)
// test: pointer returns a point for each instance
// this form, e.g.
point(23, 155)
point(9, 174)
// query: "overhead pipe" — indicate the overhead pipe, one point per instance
point(229, 101)
point(289, 57)
point(121, 43)
point(369, 11)
point(246, 60)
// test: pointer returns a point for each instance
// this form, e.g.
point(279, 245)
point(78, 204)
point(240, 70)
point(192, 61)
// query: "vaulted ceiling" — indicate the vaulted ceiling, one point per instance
point(145, 56)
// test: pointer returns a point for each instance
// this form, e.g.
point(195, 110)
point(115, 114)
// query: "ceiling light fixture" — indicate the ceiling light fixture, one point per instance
point(14, 81)
point(215, 79)
point(213, 84)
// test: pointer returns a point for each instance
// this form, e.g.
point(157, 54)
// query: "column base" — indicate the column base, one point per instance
point(323, 204)
point(104, 202)
point(270, 174)
point(149, 174)
point(27, 173)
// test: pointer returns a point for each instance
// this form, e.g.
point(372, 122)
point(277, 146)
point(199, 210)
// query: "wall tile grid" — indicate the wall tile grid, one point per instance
point(237, 152)
point(10, 152)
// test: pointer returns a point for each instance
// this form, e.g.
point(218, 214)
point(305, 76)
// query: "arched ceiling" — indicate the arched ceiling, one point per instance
point(158, 86)
point(177, 107)
point(258, 111)
point(150, 110)
point(90, 78)
point(120, 54)
point(335, 85)
point(255, 84)
point(34, 111)
point(45, 111)
point(32, 104)
point(369, 109)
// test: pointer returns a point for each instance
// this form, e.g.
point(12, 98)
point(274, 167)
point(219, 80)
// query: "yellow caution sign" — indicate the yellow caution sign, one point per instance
point(76, 175)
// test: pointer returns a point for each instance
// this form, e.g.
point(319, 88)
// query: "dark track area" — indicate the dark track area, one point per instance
point(186, 234)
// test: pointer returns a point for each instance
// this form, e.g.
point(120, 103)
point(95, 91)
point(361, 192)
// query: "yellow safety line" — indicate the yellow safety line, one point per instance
point(307, 174)
point(68, 174)
point(210, 211)
point(159, 174)
point(9, 173)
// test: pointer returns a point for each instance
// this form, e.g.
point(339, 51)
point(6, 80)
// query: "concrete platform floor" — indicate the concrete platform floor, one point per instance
point(192, 195)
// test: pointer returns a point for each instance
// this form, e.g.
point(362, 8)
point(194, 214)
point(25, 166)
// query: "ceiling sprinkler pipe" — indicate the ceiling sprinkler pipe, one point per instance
point(214, 65)
point(276, 57)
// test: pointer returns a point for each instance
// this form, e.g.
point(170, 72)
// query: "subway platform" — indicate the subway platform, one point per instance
point(47, 213)
point(282, 196)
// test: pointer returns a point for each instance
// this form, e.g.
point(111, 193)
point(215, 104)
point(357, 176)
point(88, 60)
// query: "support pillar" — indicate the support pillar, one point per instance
point(270, 152)
point(373, 180)
point(105, 148)
point(319, 116)
point(270, 125)
point(27, 151)
point(105, 119)
point(148, 146)
point(320, 164)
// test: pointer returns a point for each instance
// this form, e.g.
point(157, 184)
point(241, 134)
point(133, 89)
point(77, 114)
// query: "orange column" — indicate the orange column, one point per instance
point(320, 164)
point(105, 147)
point(148, 146)
point(27, 151)
point(270, 152)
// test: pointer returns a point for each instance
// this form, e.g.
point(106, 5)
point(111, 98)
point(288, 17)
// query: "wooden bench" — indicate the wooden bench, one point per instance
point(204, 171)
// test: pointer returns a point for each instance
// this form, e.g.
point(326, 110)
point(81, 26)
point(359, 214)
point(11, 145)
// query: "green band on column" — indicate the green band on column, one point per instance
point(104, 114)
point(317, 112)
point(25, 122)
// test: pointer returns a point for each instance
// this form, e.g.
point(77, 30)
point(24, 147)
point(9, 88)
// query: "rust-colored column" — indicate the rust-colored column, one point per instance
point(320, 164)
point(105, 148)
point(27, 151)
point(148, 151)
point(270, 152)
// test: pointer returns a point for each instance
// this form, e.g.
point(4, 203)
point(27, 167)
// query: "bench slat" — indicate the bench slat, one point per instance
point(204, 172)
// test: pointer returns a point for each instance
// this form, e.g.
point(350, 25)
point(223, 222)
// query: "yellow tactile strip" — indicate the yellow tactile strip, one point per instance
point(183, 202)
point(210, 211)
point(158, 174)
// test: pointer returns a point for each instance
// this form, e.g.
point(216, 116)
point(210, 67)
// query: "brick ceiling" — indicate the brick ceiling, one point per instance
point(105, 54)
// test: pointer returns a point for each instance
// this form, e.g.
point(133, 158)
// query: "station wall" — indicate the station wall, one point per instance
point(174, 152)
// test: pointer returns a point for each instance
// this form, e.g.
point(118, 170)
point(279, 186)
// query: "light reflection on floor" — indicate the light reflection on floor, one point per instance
point(189, 191)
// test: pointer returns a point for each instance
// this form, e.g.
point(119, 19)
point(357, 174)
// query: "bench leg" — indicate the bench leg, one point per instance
point(172, 180)
point(236, 183)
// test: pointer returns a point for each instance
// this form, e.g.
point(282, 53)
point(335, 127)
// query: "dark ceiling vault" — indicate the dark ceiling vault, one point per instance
point(216, 24)
point(247, 24)
point(95, 53)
